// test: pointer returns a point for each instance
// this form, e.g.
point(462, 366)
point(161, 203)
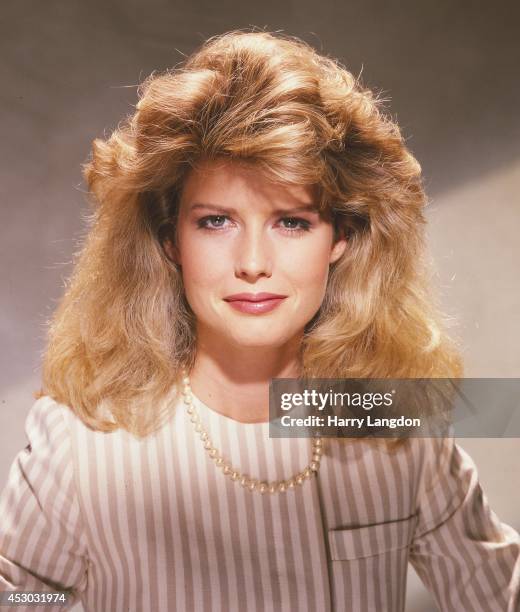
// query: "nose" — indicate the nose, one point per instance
point(254, 255)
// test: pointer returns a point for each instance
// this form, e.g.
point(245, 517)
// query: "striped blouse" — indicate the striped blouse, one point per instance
point(152, 525)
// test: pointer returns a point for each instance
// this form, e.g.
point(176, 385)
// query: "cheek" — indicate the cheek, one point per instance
point(202, 266)
point(310, 266)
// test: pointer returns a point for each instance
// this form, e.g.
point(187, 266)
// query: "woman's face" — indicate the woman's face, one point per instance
point(239, 233)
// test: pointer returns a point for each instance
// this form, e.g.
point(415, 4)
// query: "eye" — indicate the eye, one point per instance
point(211, 222)
point(296, 224)
point(290, 225)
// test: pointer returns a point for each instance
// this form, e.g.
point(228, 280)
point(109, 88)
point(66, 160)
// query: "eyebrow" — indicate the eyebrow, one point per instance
point(306, 208)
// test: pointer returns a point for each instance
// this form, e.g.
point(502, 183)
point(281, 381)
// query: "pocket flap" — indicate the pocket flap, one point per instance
point(371, 540)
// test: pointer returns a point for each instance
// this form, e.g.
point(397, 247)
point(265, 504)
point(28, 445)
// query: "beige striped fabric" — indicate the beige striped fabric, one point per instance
point(152, 525)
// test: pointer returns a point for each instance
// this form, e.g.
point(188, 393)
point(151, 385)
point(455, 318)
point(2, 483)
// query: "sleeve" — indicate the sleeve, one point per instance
point(461, 551)
point(42, 543)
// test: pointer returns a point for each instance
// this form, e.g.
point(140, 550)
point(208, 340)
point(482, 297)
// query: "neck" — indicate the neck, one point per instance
point(234, 380)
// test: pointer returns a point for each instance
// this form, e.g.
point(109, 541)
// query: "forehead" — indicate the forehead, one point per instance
point(241, 184)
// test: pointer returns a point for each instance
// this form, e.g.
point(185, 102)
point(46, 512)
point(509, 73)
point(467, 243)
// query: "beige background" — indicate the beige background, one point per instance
point(70, 71)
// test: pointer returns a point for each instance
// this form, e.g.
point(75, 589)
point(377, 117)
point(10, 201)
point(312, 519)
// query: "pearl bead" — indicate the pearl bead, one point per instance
point(252, 484)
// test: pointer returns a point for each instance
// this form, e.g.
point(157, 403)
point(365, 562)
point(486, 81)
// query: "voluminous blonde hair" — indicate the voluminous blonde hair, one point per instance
point(123, 329)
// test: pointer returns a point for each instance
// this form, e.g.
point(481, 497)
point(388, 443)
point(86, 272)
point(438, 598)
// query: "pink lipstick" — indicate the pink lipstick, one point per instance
point(255, 303)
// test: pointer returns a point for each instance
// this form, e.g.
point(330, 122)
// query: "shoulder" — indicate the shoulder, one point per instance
point(52, 428)
point(51, 417)
point(46, 420)
point(45, 462)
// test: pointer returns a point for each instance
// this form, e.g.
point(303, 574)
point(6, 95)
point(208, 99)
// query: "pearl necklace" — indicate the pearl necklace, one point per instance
point(251, 484)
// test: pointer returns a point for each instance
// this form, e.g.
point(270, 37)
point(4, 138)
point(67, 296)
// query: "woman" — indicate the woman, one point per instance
point(258, 217)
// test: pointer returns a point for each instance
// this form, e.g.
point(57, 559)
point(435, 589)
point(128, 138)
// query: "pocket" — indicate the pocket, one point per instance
point(370, 540)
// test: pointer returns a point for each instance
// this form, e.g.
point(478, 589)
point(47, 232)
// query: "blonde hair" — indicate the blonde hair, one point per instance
point(123, 329)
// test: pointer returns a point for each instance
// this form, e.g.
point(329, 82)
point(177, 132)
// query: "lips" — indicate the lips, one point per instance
point(255, 303)
point(253, 297)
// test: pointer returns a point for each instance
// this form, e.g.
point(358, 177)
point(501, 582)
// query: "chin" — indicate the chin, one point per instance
point(257, 340)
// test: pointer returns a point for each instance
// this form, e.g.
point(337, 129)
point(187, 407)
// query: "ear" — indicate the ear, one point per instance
point(339, 247)
point(171, 251)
